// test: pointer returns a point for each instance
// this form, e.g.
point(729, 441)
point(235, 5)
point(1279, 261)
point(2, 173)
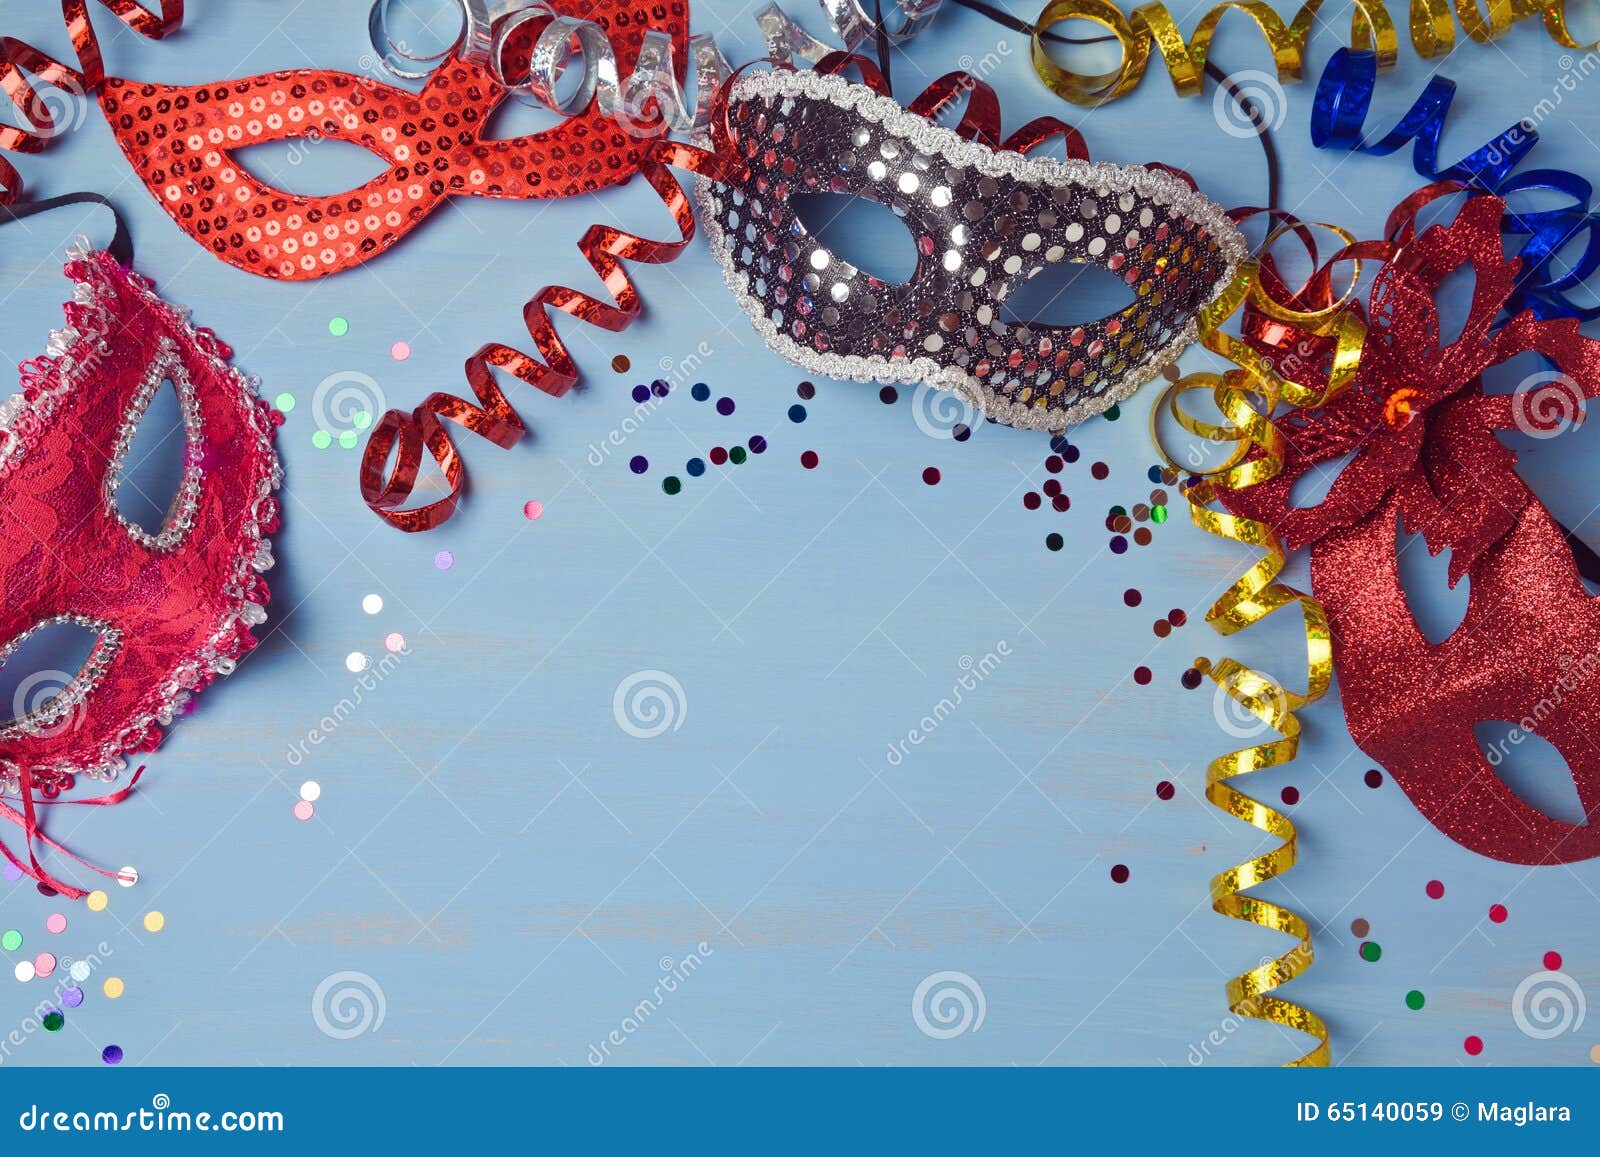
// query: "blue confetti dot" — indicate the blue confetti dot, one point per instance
point(797, 413)
point(1058, 444)
point(700, 391)
point(695, 467)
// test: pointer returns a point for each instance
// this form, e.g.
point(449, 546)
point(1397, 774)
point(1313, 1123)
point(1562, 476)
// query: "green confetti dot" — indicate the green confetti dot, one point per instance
point(338, 326)
point(671, 484)
point(1415, 1000)
point(362, 420)
point(322, 439)
point(347, 440)
point(11, 941)
point(1370, 952)
point(284, 402)
point(1115, 510)
point(53, 1021)
point(1158, 514)
point(737, 455)
point(1113, 413)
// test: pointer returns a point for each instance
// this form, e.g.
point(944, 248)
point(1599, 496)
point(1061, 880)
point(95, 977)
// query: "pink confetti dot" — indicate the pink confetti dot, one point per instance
point(55, 924)
point(303, 810)
point(444, 560)
point(1473, 1045)
point(395, 642)
point(533, 510)
point(44, 964)
point(400, 351)
point(1498, 913)
point(1552, 961)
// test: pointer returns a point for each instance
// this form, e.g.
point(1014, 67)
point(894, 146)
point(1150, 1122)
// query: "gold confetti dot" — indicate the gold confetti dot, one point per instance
point(154, 921)
point(113, 987)
point(96, 901)
point(1594, 1053)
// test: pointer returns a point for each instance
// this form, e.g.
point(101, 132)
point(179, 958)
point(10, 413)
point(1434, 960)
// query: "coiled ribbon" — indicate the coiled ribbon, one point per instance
point(39, 125)
point(1431, 28)
point(1343, 98)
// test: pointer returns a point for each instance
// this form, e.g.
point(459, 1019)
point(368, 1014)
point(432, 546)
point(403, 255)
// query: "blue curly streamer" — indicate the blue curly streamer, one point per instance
point(1343, 98)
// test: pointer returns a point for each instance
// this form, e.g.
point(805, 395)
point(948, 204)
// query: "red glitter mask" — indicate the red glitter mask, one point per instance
point(172, 608)
point(1422, 431)
point(182, 139)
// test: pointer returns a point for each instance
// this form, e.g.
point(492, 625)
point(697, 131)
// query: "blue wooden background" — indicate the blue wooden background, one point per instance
point(511, 874)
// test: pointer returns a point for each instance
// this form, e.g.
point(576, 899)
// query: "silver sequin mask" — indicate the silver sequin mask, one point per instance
point(984, 221)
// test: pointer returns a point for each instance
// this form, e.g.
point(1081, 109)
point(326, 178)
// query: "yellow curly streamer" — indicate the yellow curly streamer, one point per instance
point(1246, 397)
point(1433, 33)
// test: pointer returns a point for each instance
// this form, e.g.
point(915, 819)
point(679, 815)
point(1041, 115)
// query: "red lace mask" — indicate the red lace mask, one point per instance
point(172, 609)
point(182, 139)
point(1422, 430)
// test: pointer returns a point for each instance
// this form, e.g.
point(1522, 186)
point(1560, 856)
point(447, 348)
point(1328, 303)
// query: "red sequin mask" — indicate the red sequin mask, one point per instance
point(1422, 431)
point(172, 609)
point(182, 139)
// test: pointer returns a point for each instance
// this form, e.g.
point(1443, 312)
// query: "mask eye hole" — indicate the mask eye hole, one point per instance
point(154, 483)
point(46, 672)
point(1437, 609)
point(1533, 768)
point(860, 232)
point(310, 166)
point(1065, 293)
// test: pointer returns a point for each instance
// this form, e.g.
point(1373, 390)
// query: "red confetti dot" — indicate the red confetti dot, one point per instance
point(1100, 470)
point(1165, 789)
point(1032, 500)
point(1051, 487)
point(809, 459)
point(1498, 913)
point(1373, 778)
point(1061, 502)
point(1473, 1045)
point(1141, 675)
point(1552, 961)
point(718, 456)
point(930, 475)
point(1119, 874)
point(1132, 597)
point(1290, 795)
point(1435, 889)
point(1053, 464)
point(1177, 618)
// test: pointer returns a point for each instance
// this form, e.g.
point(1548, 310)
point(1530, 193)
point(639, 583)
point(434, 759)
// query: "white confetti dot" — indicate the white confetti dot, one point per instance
point(311, 791)
point(127, 876)
point(372, 604)
point(24, 971)
point(80, 970)
point(355, 661)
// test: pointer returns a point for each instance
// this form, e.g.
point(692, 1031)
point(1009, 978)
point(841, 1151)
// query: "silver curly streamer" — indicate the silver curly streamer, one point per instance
point(850, 22)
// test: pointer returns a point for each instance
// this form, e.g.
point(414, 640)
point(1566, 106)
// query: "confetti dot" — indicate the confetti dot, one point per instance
point(1359, 928)
point(1594, 1054)
point(372, 604)
point(1373, 778)
point(1177, 617)
point(1031, 500)
point(322, 439)
point(1053, 464)
point(1191, 678)
point(1061, 502)
point(400, 351)
point(1370, 952)
point(304, 810)
point(113, 988)
point(930, 475)
point(394, 642)
point(699, 391)
point(72, 996)
point(1119, 873)
point(311, 791)
point(533, 510)
point(1119, 545)
point(888, 395)
point(1473, 1045)
point(1132, 597)
point(671, 484)
point(284, 403)
point(1552, 961)
point(961, 431)
point(1158, 514)
point(758, 444)
point(797, 413)
point(1154, 474)
point(338, 326)
point(1113, 413)
point(444, 560)
point(111, 1054)
point(44, 964)
point(97, 901)
point(718, 456)
point(1071, 453)
point(355, 662)
point(809, 459)
point(1142, 675)
point(641, 393)
point(1053, 541)
point(12, 872)
point(1142, 536)
point(638, 463)
point(660, 388)
point(620, 364)
point(1100, 470)
point(1498, 913)
point(23, 971)
point(53, 1020)
point(11, 940)
point(737, 455)
point(1165, 789)
point(695, 467)
point(1051, 487)
point(1290, 796)
point(1435, 889)
point(127, 875)
point(1162, 628)
point(79, 971)
point(806, 391)
point(724, 406)
point(55, 924)
point(1415, 1000)
point(1058, 443)
point(347, 440)
point(154, 921)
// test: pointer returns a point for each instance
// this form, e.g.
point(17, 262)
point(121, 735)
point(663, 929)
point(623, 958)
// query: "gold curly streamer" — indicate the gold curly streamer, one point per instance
point(1246, 396)
point(1430, 25)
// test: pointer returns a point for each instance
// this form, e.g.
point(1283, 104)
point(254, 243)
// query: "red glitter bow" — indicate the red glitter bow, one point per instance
point(1421, 430)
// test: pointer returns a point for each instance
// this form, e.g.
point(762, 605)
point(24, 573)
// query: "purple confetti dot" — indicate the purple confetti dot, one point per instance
point(111, 1054)
point(641, 393)
point(758, 444)
point(12, 873)
point(444, 560)
point(638, 463)
point(72, 996)
point(724, 406)
point(660, 388)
